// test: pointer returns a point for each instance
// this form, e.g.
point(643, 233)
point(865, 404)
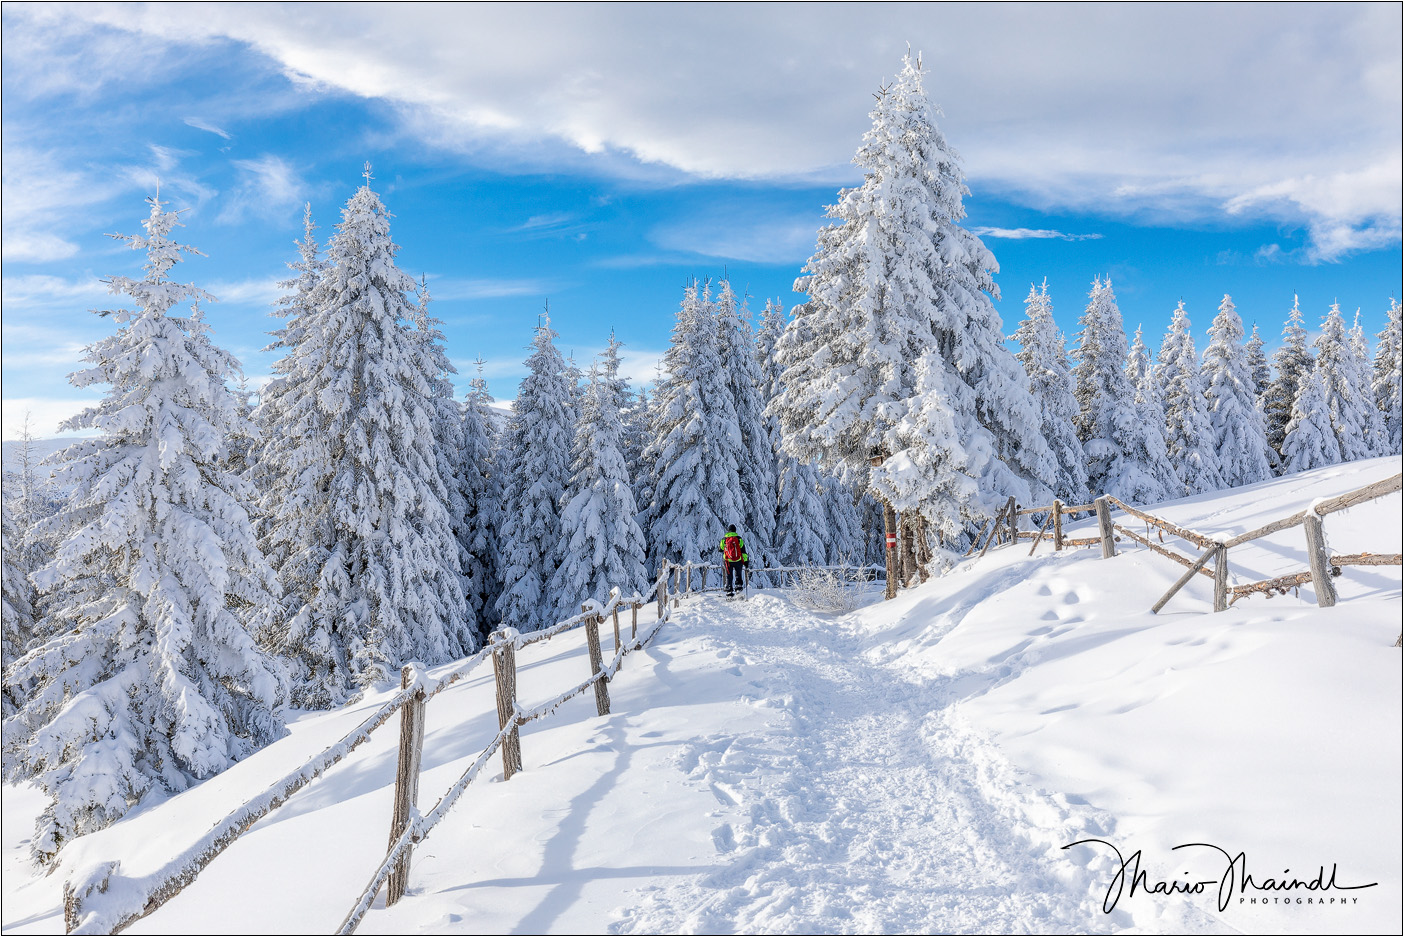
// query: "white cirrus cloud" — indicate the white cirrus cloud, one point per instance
point(1020, 234)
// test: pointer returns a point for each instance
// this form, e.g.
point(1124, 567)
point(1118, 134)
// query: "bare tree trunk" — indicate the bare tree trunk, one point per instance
point(924, 550)
point(909, 553)
point(890, 553)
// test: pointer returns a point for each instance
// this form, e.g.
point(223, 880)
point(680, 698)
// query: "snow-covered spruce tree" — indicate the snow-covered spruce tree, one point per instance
point(1182, 391)
point(1236, 425)
point(481, 499)
point(802, 528)
point(535, 463)
point(1350, 405)
point(1387, 377)
point(1259, 373)
point(1310, 442)
point(1292, 360)
point(291, 443)
point(358, 518)
point(601, 544)
point(695, 445)
point(1138, 367)
point(638, 417)
point(448, 448)
point(1044, 355)
point(757, 458)
point(151, 678)
point(1372, 418)
point(1126, 457)
point(844, 529)
point(943, 451)
point(897, 277)
point(16, 610)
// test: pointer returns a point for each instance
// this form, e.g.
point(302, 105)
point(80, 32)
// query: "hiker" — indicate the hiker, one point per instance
point(734, 560)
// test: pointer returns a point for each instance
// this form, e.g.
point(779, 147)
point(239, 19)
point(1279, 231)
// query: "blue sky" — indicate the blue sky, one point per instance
point(599, 156)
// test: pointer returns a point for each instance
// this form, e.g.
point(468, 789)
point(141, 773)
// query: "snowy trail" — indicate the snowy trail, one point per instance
point(872, 808)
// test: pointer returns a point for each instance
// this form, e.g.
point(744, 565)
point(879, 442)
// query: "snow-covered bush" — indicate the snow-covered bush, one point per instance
point(827, 589)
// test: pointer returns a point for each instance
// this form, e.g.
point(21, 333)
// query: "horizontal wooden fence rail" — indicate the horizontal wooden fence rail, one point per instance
point(416, 827)
point(140, 896)
point(1004, 528)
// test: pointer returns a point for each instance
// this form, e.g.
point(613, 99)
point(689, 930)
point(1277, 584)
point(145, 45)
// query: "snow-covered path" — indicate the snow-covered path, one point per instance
point(870, 808)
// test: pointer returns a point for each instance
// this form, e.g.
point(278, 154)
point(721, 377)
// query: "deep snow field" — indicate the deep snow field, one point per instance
point(915, 766)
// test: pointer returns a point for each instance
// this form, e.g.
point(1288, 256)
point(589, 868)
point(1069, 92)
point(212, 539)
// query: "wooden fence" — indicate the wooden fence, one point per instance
point(1322, 566)
point(86, 913)
point(682, 574)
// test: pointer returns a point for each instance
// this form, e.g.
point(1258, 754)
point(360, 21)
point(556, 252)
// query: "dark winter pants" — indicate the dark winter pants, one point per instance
point(733, 573)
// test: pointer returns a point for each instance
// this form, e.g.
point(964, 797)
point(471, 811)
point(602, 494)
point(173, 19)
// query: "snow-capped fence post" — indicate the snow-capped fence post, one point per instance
point(1058, 525)
point(615, 613)
point(634, 621)
point(407, 779)
point(1319, 563)
point(688, 578)
point(1221, 578)
point(1104, 526)
point(660, 588)
point(505, 672)
point(592, 643)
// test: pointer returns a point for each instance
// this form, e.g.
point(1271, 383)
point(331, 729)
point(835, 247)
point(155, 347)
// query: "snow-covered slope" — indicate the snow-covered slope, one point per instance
point(916, 766)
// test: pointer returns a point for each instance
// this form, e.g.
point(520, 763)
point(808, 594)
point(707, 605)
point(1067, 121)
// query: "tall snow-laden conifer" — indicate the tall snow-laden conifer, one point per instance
point(16, 609)
point(897, 277)
point(1138, 366)
point(535, 459)
point(1045, 358)
point(696, 445)
point(448, 445)
point(601, 544)
point(1372, 418)
point(756, 459)
point(359, 519)
point(1259, 373)
point(1310, 442)
point(149, 678)
point(1292, 360)
point(1387, 377)
point(1350, 406)
point(481, 497)
point(803, 532)
point(1126, 457)
point(1235, 422)
point(1182, 390)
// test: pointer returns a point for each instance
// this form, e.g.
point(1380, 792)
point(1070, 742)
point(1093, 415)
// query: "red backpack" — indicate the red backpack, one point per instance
point(732, 548)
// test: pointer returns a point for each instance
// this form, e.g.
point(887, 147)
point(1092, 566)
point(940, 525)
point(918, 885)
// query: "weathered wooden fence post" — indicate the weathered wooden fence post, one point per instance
point(1221, 578)
point(592, 643)
point(1186, 577)
point(615, 613)
point(688, 578)
point(1318, 561)
point(407, 780)
point(1058, 525)
point(662, 588)
point(634, 621)
point(1105, 526)
point(505, 671)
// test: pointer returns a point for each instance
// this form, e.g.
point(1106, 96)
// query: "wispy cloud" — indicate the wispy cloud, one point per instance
point(268, 187)
point(1019, 234)
point(468, 288)
point(257, 291)
point(762, 240)
point(199, 124)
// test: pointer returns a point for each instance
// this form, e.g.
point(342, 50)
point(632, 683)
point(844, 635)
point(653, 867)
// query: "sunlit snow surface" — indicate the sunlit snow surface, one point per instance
point(913, 767)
